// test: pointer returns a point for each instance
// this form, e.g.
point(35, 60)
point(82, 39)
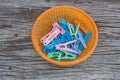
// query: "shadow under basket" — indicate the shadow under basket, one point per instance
point(43, 25)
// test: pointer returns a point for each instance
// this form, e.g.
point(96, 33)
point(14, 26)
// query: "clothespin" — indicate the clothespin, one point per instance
point(86, 38)
point(51, 47)
point(79, 40)
point(80, 37)
point(49, 37)
point(59, 55)
point(83, 33)
point(66, 37)
point(67, 26)
point(63, 22)
point(52, 34)
point(56, 25)
point(48, 48)
point(64, 46)
point(75, 47)
point(53, 54)
point(64, 27)
point(73, 32)
point(82, 27)
point(44, 48)
point(68, 55)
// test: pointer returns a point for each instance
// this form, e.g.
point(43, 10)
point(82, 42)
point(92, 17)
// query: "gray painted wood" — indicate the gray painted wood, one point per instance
point(19, 61)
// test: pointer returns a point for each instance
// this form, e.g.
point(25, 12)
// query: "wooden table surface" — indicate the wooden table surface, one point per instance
point(19, 61)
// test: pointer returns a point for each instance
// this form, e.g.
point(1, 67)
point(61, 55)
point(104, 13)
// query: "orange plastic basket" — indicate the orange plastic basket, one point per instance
point(43, 25)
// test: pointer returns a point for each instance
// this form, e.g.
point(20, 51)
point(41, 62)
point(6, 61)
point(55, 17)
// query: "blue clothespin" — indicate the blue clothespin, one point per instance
point(83, 33)
point(48, 48)
point(51, 47)
point(64, 27)
point(66, 37)
point(51, 50)
point(86, 38)
point(63, 22)
point(44, 48)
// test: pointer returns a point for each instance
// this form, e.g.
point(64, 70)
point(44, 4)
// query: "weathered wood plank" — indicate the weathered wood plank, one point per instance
point(18, 59)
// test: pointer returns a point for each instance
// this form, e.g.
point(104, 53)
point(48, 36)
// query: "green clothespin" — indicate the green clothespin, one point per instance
point(67, 55)
point(71, 29)
point(54, 55)
point(59, 55)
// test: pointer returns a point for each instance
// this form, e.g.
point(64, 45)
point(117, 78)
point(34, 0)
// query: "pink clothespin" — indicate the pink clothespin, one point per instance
point(64, 46)
point(52, 34)
point(56, 25)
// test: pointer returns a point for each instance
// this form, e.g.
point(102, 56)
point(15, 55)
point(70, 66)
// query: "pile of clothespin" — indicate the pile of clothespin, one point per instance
point(65, 40)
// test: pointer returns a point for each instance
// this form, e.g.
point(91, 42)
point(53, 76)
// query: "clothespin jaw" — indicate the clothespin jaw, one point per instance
point(72, 31)
point(82, 27)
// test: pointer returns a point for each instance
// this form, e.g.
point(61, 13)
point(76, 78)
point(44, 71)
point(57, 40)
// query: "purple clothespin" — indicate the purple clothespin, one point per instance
point(79, 40)
point(80, 37)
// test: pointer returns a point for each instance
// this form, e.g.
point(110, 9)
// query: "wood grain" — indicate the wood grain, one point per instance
point(19, 61)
